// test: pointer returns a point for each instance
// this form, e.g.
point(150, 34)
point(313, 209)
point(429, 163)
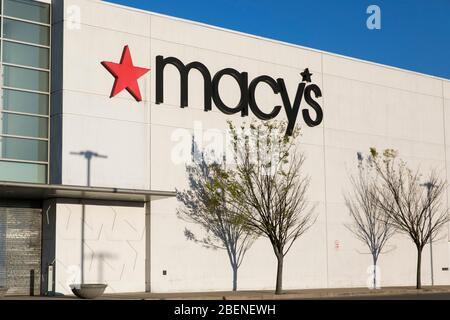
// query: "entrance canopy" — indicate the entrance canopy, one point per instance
point(30, 191)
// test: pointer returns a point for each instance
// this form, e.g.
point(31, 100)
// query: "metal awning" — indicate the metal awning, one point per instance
point(31, 191)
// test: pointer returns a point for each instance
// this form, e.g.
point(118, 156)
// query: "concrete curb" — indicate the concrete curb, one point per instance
point(305, 295)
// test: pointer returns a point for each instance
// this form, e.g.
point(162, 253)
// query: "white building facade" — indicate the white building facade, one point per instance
point(88, 171)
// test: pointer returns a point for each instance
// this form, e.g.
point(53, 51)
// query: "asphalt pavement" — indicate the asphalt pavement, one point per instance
point(427, 296)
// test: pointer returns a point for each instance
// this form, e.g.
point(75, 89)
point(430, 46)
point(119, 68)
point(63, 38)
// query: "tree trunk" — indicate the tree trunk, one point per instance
point(234, 264)
point(279, 285)
point(419, 267)
point(235, 273)
point(374, 272)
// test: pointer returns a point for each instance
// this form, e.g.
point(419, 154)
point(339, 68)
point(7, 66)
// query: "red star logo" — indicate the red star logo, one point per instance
point(126, 75)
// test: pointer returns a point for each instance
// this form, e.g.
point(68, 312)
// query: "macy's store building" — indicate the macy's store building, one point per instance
point(92, 142)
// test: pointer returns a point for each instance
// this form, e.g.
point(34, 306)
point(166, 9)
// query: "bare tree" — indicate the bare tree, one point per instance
point(369, 223)
point(204, 204)
point(267, 183)
point(406, 204)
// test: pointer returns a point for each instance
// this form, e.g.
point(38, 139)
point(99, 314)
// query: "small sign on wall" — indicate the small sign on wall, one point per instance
point(337, 244)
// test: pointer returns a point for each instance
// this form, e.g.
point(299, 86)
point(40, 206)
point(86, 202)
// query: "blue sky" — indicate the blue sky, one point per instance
point(414, 34)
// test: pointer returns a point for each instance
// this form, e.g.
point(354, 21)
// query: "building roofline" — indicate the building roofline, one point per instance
point(280, 42)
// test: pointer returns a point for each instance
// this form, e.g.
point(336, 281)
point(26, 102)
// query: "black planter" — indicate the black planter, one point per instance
point(88, 291)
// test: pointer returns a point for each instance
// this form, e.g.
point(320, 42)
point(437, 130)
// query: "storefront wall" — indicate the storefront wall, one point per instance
point(136, 144)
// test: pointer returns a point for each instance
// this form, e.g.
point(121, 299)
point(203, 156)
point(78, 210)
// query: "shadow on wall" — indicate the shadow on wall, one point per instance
point(101, 257)
point(204, 203)
point(88, 155)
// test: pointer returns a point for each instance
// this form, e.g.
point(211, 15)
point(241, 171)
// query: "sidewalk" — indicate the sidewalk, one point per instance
point(287, 295)
point(258, 295)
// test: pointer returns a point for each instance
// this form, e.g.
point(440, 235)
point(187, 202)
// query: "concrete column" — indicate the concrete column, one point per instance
point(48, 246)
